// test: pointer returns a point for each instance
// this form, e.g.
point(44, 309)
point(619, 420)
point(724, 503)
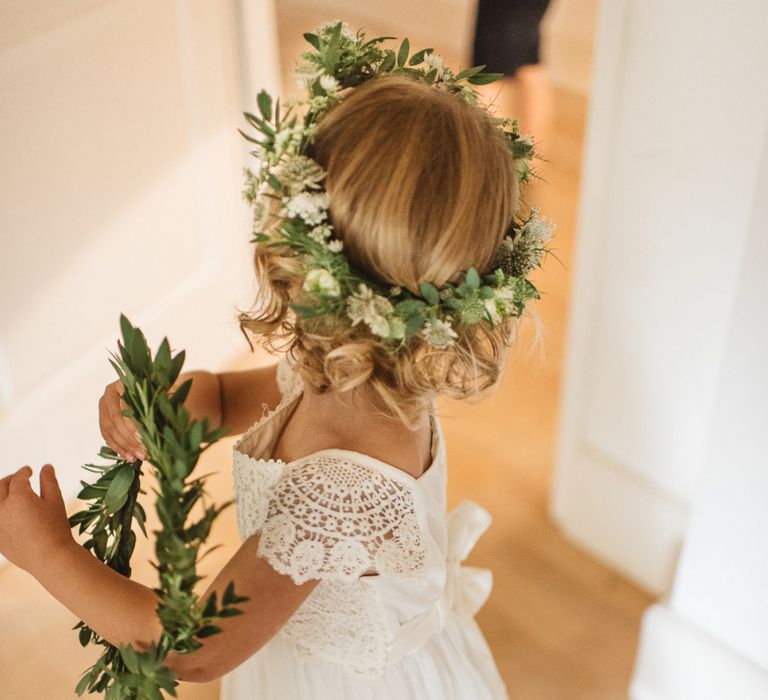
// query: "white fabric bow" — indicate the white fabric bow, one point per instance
point(467, 587)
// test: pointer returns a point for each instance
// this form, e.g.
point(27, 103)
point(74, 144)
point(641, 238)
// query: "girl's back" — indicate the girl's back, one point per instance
point(392, 616)
point(352, 423)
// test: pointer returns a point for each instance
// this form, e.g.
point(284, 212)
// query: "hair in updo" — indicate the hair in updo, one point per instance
point(422, 187)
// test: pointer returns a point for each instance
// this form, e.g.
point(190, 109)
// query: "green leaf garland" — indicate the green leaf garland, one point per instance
point(173, 443)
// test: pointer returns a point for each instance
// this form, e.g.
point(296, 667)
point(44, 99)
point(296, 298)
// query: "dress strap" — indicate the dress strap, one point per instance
point(466, 587)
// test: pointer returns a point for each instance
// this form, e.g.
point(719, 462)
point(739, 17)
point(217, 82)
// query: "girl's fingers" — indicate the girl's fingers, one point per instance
point(5, 483)
point(129, 429)
point(121, 429)
point(112, 436)
point(50, 490)
point(20, 480)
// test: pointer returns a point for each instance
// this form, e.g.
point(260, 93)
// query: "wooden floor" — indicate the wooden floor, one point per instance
point(561, 625)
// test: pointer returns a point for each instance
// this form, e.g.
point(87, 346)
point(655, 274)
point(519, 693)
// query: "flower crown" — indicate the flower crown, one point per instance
point(341, 59)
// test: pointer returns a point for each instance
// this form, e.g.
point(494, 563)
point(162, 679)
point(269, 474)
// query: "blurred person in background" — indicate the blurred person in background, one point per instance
point(507, 40)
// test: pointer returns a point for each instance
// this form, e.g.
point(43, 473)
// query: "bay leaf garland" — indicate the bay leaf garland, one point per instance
point(173, 443)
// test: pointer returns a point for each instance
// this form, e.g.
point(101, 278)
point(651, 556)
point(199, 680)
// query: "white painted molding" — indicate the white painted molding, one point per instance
point(620, 519)
point(679, 661)
point(257, 35)
point(601, 505)
point(596, 175)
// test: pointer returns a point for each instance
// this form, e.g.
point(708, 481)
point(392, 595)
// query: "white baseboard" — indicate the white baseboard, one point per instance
point(620, 518)
point(678, 661)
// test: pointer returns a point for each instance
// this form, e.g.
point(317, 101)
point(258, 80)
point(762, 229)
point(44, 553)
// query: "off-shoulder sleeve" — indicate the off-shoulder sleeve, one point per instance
point(332, 518)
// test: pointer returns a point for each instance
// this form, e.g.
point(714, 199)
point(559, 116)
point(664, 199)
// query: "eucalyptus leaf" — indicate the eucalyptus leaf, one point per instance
point(418, 57)
point(468, 72)
point(130, 659)
point(264, 102)
point(176, 364)
point(195, 435)
point(163, 356)
point(389, 61)
point(117, 493)
point(182, 391)
point(83, 684)
point(429, 292)
point(473, 278)
point(84, 637)
point(313, 39)
point(402, 54)
point(126, 328)
point(485, 78)
point(250, 138)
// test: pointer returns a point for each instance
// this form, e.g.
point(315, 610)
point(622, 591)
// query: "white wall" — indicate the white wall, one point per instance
point(120, 192)
point(671, 168)
point(711, 639)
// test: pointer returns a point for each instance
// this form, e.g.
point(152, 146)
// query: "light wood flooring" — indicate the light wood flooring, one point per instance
point(561, 625)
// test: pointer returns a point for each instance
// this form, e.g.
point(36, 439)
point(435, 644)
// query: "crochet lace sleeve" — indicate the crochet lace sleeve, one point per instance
point(331, 518)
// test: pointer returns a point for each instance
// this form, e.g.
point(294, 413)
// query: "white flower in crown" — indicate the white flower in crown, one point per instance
point(307, 72)
point(320, 281)
point(329, 84)
point(527, 141)
point(364, 305)
point(537, 230)
point(437, 62)
point(311, 207)
point(285, 138)
point(320, 233)
point(506, 295)
point(319, 103)
point(440, 334)
point(396, 327)
point(493, 310)
point(299, 173)
point(326, 27)
point(260, 215)
point(335, 246)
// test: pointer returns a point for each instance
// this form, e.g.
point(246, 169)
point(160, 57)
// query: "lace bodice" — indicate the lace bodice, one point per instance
point(333, 519)
point(335, 515)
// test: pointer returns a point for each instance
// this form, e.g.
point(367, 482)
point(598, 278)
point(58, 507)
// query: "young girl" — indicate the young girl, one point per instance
point(350, 563)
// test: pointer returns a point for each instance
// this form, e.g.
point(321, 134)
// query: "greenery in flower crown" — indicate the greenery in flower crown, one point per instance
point(173, 444)
point(341, 59)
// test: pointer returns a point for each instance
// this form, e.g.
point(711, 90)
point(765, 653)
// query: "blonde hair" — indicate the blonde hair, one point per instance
point(422, 187)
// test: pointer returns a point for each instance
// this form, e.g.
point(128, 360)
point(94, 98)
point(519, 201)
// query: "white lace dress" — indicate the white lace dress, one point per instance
point(408, 632)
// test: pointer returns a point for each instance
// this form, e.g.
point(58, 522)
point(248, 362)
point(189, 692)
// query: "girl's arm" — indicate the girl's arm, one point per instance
point(243, 395)
point(233, 399)
point(35, 535)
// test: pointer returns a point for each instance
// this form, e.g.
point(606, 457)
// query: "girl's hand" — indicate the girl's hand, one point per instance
point(118, 430)
point(32, 528)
